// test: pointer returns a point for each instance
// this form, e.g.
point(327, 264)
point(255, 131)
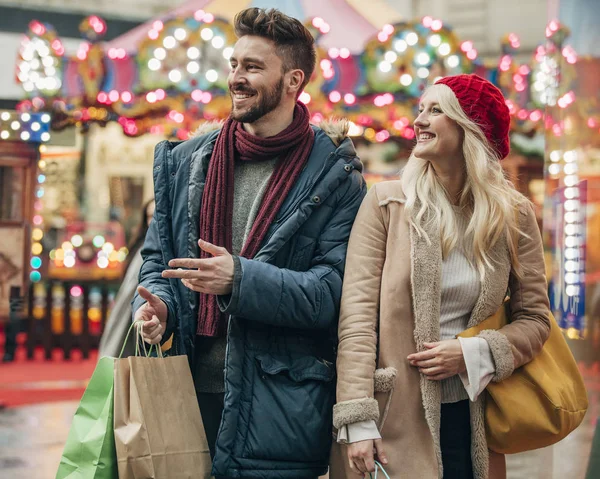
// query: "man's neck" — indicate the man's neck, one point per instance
point(272, 123)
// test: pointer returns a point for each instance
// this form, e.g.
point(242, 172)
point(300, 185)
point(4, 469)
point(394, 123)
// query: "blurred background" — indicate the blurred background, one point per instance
point(87, 89)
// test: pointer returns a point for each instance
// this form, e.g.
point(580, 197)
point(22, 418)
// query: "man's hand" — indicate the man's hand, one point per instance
point(361, 455)
point(210, 275)
point(154, 314)
point(440, 360)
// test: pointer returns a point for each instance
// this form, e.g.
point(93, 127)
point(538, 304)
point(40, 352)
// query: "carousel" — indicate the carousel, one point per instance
point(168, 76)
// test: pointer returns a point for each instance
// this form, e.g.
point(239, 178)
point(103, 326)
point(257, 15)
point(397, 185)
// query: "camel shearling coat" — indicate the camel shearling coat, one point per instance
point(391, 306)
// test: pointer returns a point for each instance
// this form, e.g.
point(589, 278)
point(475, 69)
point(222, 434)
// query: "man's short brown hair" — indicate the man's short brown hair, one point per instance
point(294, 43)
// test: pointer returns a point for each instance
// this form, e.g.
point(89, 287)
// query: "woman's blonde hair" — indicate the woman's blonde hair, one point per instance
point(488, 196)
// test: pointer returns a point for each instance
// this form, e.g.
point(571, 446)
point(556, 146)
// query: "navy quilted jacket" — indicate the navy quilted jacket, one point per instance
point(279, 369)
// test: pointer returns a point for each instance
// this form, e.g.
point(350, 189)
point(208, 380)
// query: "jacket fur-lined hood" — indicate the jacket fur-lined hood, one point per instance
point(335, 128)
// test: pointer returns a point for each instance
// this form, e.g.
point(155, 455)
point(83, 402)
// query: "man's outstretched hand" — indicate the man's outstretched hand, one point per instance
point(153, 313)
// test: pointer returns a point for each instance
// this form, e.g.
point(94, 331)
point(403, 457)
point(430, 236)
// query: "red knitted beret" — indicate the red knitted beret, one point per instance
point(483, 103)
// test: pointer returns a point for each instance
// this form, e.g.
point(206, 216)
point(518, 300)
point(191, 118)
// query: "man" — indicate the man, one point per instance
point(253, 221)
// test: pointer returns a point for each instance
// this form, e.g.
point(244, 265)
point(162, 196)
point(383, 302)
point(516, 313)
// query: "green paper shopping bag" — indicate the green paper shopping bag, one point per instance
point(90, 449)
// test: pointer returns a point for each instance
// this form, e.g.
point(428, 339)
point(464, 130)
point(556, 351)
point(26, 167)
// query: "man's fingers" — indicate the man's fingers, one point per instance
point(195, 263)
point(182, 273)
point(211, 248)
point(150, 298)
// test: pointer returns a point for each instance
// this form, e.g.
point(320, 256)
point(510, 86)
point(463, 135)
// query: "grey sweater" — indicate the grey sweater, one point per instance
point(250, 183)
point(460, 290)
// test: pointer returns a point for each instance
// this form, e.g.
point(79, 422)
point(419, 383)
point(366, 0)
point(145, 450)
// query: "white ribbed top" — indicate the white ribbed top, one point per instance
point(460, 289)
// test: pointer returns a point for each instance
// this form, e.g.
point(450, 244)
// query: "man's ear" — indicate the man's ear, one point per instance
point(295, 81)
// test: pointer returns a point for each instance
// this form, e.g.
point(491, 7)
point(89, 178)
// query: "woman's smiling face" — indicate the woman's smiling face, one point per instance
point(437, 135)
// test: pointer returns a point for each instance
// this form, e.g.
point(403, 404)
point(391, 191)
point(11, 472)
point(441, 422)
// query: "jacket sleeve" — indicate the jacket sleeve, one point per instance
point(357, 330)
point(151, 277)
point(518, 342)
point(300, 299)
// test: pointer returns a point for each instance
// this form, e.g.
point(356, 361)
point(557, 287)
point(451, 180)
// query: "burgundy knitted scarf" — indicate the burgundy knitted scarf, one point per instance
point(292, 147)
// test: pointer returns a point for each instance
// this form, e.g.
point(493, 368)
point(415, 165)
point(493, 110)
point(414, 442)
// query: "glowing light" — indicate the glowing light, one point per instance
point(36, 262)
point(435, 40)
point(212, 76)
point(69, 261)
point(412, 38)
point(333, 52)
point(193, 68)
point(571, 193)
point(25, 136)
point(423, 72)
point(572, 290)
point(37, 220)
point(35, 276)
point(554, 169)
point(385, 67)
point(344, 53)
point(571, 217)
point(218, 42)
point(160, 53)
point(15, 125)
point(400, 46)
point(349, 98)
point(169, 42)
point(453, 61)
point(335, 96)
point(113, 96)
point(36, 249)
point(571, 180)
point(423, 58)
point(37, 234)
point(175, 76)
point(45, 118)
point(207, 34)
point(108, 247)
point(390, 57)
point(98, 241)
point(304, 98)
point(154, 64)
point(193, 53)
point(5, 116)
point(571, 168)
point(180, 34)
point(4, 135)
point(436, 25)
point(102, 262)
point(76, 291)
point(45, 136)
point(406, 79)
point(227, 53)
point(76, 240)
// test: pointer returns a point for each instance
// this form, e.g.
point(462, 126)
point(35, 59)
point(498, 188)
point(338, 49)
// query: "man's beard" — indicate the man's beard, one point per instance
point(266, 104)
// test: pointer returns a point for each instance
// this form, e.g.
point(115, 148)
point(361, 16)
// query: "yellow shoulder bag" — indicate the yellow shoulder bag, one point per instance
point(541, 402)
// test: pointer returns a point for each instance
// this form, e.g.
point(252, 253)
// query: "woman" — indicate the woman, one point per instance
point(429, 256)
point(119, 321)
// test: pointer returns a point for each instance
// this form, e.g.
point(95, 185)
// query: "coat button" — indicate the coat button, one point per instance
point(347, 168)
point(316, 199)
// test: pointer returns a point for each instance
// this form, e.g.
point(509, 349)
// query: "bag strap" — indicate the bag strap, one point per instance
point(147, 352)
point(377, 468)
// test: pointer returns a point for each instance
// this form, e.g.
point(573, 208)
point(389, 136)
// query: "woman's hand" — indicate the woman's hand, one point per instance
point(361, 455)
point(440, 360)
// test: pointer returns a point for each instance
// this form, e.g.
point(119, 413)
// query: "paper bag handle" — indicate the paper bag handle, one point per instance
point(138, 339)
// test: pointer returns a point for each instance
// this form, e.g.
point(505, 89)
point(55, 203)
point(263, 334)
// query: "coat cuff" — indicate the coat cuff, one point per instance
point(501, 349)
point(355, 410)
point(228, 303)
point(384, 379)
